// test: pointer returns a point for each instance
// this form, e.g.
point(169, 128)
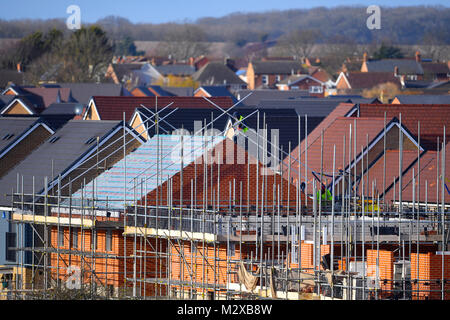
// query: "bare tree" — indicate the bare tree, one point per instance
point(299, 43)
point(182, 42)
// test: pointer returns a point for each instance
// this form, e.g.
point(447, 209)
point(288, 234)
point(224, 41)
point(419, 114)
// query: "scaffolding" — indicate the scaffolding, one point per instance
point(163, 229)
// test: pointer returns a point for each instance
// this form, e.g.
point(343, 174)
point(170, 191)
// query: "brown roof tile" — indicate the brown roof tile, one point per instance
point(112, 108)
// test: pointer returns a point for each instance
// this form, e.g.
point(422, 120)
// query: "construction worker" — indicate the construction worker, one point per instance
point(324, 194)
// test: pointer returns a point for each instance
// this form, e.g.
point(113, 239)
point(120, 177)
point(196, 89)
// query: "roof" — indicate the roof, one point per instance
point(51, 158)
point(235, 168)
point(125, 69)
point(376, 172)
point(141, 165)
point(334, 135)
point(11, 128)
point(217, 91)
point(180, 91)
point(5, 100)
point(432, 118)
point(256, 96)
point(428, 176)
point(368, 80)
point(293, 79)
point(7, 76)
point(423, 99)
point(49, 95)
point(63, 109)
point(405, 66)
point(171, 120)
point(435, 68)
point(277, 67)
point(314, 107)
point(216, 73)
point(82, 92)
point(176, 69)
point(112, 108)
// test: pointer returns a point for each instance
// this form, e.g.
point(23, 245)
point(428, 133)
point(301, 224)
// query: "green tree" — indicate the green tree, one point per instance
point(387, 52)
point(87, 54)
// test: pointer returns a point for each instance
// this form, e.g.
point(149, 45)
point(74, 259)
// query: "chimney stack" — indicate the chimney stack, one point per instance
point(19, 67)
point(365, 57)
point(418, 59)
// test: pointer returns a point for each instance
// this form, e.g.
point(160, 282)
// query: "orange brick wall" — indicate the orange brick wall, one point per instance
point(109, 270)
point(429, 275)
point(386, 267)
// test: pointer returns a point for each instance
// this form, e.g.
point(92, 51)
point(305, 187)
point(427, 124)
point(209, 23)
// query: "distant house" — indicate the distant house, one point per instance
point(82, 92)
point(358, 81)
point(421, 99)
point(178, 70)
point(214, 91)
point(136, 74)
point(436, 71)
point(411, 69)
point(266, 74)
point(10, 76)
point(216, 73)
point(302, 82)
point(32, 101)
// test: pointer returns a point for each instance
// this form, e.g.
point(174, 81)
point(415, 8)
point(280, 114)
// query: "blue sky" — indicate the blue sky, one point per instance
point(157, 11)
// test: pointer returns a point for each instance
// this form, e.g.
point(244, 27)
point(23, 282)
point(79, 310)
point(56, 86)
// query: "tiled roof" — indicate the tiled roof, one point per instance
point(367, 80)
point(217, 91)
point(423, 99)
point(432, 119)
point(12, 127)
point(215, 73)
point(176, 69)
point(242, 166)
point(428, 178)
point(49, 95)
point(293, 79)
point(278, 67)
point(82, 92)
point(334, 135)
point(405, 66)
point(180, 91)
point(435, 68)
point(7, 76)
point(256, 96)
point(141, 168)
point(112, 108)
point(392, 162)
point(53, 157)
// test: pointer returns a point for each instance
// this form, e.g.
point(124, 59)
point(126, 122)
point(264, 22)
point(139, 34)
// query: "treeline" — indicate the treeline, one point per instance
point(81, 56)
point(401, 25)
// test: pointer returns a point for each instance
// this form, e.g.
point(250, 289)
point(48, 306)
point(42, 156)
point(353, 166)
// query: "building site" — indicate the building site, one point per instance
point(210, 198)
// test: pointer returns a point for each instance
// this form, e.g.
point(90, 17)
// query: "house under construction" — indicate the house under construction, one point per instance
point(357, 209)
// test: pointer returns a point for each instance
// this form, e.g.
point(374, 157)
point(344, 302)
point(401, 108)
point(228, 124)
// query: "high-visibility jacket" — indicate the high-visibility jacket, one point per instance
point(326, 196)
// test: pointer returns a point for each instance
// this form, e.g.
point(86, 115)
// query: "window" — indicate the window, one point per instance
point(109, 240)
point(278, 77)
point(75, 238)
point(265, 79)
point(231, 249)
point(412, 77)
point(10, 244)
point(315, 89)
point(61, 237)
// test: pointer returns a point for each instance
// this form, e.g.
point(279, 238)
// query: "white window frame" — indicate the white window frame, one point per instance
point(265, 79)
